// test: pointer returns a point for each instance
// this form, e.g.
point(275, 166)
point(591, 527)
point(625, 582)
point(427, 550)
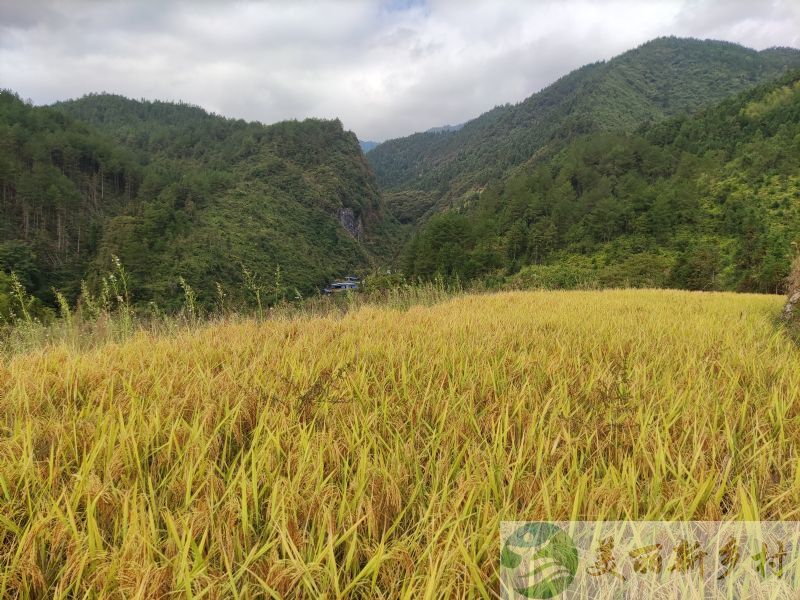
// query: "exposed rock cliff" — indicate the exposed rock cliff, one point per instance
point(791, 312)
point(351, 223)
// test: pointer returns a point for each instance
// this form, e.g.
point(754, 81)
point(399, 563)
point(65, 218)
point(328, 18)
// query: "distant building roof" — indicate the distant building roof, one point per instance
point(341, 285)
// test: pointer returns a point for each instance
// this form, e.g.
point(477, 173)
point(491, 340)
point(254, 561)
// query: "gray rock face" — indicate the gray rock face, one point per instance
point(352, 224)
point(790, 310)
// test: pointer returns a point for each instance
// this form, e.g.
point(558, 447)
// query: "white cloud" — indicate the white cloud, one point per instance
point(384, 68)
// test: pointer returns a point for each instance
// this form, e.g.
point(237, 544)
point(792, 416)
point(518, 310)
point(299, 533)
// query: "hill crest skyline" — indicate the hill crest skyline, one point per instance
point(438, 128)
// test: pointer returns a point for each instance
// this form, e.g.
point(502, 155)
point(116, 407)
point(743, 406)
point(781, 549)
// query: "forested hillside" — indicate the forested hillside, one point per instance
point(176, 192)
point(610, 176)
point(710, 201)
point(61, 182)
point(429, 172)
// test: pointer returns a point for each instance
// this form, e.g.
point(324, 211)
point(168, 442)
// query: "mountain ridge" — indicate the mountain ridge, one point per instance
point(660, 78)
point(703, 201)
point(175, 191)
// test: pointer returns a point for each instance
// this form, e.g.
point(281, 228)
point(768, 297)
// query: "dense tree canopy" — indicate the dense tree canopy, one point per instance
point(176, 192)
point(667, 77)
point(610, 176)
point(704, 202)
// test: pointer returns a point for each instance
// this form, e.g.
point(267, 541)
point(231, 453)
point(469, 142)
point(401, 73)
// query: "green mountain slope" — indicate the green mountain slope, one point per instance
point(666, 77)
point(704, 202)
point(176, 192)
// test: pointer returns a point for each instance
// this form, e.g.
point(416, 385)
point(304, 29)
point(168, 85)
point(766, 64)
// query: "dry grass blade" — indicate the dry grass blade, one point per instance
point(374, 454)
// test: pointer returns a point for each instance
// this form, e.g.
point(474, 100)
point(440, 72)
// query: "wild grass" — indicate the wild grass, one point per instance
point(110, 316)
point(373, 453)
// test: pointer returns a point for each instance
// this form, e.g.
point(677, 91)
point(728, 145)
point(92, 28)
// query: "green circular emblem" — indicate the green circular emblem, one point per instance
point(539, 560)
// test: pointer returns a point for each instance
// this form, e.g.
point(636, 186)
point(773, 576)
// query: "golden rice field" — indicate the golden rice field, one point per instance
point(373, 455)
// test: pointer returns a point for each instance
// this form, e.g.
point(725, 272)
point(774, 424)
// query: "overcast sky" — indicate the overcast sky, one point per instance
point(385, 68)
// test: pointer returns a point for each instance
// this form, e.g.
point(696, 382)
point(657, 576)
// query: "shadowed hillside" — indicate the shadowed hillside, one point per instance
point(176, 192)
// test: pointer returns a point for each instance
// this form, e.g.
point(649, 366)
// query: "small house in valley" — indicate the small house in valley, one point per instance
point(349, 283)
